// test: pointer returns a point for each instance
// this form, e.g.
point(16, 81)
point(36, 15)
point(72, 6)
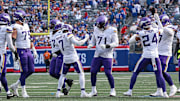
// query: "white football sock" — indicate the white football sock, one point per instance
point(130, 90)
point(93, 88)
point(82, 80)
point(23, 88)
point(8, 92)
point(18, 82)
point(112, 89)
point(61, 81)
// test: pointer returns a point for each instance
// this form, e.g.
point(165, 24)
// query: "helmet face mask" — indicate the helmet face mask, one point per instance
point(5, 19)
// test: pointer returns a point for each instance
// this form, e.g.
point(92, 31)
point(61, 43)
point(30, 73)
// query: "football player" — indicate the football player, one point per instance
point(149, 40)
point(106, 39)
point(66, 42)
point(6, 37)
point(21, 37)
point(57, 60)
point(165, 52)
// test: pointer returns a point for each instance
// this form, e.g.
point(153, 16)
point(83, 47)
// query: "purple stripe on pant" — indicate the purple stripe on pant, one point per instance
point(3, 73)
point(142, 63)
point(164, 64)
point(95, 67)
point(27, 64)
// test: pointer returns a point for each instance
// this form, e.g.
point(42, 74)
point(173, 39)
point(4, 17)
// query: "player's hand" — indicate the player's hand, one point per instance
point(103, 46)
point(89, 46)
point(16, 56)
point(54, 55)
point(35, 54)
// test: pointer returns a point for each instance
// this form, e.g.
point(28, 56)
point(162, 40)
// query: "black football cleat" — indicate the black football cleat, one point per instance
point(65, 91)
point(69, 82)
point(10, 95)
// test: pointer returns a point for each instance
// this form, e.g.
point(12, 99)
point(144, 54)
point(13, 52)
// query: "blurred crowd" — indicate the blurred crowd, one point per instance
point(81, 14)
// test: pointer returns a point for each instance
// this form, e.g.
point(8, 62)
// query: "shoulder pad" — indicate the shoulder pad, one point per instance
point(9, 29)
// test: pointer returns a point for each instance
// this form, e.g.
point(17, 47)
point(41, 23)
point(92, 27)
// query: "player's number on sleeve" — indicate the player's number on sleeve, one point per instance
point(26, 33)
point(61, 42)
point(146, 40)
point(100, 39)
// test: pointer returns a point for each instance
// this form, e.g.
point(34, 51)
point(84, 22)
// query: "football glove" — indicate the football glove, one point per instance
point(34, 52)
point(103, 46)
point(89, 46)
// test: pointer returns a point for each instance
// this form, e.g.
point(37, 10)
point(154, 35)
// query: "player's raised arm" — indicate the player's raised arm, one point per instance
point(79, 43)
point(71, 37)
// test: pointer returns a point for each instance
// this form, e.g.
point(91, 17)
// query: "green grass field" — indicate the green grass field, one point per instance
point(42, 87)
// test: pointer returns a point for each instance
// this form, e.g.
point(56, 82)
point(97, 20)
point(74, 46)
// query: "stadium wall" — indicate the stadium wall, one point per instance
point(134, 57)
point(120, 60)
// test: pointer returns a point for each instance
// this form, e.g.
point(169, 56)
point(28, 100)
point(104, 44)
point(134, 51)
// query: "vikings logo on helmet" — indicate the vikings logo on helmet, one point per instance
point(102, 22)
point(5, 19)
point(55, 24)
point(19, 15)
point(145, 22)
point(67, 27)
point(164, 19)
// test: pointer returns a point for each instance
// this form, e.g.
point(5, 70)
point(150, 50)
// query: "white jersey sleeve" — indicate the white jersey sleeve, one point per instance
point(114, 41)
point(5, 36)
point(23, 36)
point(67, 47)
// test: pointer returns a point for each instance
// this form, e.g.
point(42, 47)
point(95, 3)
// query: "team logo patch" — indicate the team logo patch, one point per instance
point(21, 52)
point(115, 31)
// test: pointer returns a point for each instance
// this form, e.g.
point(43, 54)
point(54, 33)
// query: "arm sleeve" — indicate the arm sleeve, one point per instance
point(9, 41)
point(76, 42)
point(115, 40)
point(169, 31)
point(133, 39)
point(160, 26)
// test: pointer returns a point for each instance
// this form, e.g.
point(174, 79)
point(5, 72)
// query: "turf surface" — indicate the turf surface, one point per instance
point(42, 87)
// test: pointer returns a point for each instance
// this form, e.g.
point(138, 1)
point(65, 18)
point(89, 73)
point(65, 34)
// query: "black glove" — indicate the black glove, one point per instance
point(16, 56)
point(108, 46)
